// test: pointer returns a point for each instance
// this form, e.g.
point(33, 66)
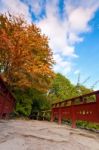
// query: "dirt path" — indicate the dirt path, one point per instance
point(38, 135)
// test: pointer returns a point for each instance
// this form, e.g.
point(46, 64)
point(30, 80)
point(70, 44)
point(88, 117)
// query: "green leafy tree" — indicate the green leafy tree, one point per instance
point(23, 102)
point(30, 100)
point(63, 89)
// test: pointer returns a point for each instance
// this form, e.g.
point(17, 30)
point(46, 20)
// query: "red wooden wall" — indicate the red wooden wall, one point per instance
point(85, 108)
point(7, 101)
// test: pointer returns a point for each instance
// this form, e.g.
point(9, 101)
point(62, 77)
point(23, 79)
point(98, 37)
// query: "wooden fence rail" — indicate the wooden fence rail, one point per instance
point(84, 108)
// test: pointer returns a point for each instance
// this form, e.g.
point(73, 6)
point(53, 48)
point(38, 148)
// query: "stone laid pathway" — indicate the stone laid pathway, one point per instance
point(43, 135)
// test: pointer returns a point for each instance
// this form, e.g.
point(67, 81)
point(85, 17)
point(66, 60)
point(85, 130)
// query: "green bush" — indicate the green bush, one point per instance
point(88, 125)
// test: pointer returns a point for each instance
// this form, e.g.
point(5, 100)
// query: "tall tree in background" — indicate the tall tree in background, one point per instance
point(63, 89)
point(25, 56)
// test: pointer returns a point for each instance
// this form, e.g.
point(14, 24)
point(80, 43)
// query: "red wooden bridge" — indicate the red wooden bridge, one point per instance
point(7, 101)
point(85, 108)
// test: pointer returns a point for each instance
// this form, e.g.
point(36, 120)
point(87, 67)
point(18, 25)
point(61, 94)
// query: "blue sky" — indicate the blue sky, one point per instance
point(73, 30)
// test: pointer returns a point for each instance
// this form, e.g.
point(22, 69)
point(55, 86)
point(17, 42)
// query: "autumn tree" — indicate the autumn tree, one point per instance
point(25, 56)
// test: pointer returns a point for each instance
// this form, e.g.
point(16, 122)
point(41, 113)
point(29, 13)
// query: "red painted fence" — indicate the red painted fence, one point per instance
point(7, 101)
point(85, 108)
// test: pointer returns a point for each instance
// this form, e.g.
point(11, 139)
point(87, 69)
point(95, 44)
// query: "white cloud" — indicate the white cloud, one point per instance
point(57, 31)
point(62, 65)
point(74, 38)
point(79, 18)
point(65, 33)
point(15, 7)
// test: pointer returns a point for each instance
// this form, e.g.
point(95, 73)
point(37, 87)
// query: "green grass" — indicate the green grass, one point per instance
point(87, 125)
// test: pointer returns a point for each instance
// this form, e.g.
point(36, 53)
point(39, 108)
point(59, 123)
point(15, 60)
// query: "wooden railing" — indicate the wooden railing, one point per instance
point(41, 115)
point(85, 108)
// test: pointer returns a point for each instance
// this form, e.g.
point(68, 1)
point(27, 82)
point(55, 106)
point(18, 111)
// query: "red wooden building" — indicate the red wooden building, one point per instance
point(7, 101)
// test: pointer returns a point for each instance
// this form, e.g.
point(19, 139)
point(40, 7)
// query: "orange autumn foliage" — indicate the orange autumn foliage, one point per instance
point(25, 56)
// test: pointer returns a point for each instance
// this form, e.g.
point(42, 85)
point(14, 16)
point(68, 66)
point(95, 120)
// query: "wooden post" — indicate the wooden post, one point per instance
point(37, 115)
point(59, 114)
point(3, 107)
point(97, 99)
point(52, 115)
point(73, 115)
point(97, 105)
point(43, 115)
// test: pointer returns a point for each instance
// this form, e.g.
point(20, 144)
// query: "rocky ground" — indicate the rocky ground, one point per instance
point(42, 135)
